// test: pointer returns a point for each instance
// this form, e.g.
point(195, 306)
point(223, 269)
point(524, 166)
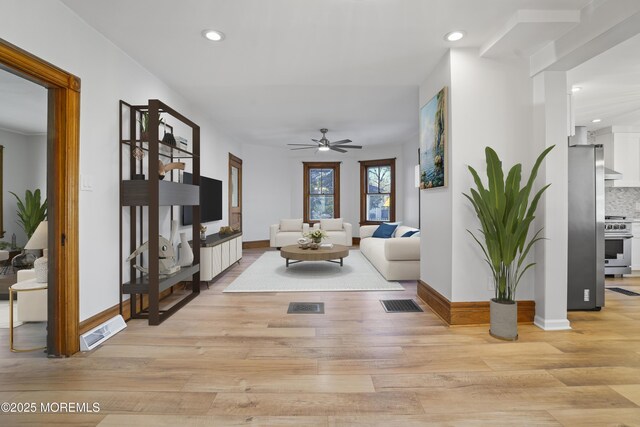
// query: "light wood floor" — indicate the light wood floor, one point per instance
point(239, 359)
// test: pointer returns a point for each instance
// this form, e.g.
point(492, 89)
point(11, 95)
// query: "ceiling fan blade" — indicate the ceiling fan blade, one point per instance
point(351, 146)
point(338, 149)
point(306, 145)
point(302, 148)
point(342, 141)
point(314, 140)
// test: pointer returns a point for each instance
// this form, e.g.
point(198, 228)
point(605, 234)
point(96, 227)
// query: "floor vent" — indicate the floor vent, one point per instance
point(400, 306)
point(306, 308)
point(624, 292)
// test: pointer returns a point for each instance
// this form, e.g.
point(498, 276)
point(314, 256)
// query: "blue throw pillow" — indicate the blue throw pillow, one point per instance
point(385, 231)
point(410, 233)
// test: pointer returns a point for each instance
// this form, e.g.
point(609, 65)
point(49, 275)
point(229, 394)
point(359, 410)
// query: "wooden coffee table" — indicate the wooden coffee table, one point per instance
point(296, 253)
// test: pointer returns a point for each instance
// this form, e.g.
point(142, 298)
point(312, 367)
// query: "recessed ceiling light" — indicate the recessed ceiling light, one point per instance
point(596, 120)
point(454, 36)
point(576, 89)
point(323, 148)
point(213, 35)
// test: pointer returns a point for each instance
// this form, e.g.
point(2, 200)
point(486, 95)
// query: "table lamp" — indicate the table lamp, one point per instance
point(39, 240)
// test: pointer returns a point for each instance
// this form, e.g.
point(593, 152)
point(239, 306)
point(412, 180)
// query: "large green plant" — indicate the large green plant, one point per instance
point(505, 215)
point(30, 211)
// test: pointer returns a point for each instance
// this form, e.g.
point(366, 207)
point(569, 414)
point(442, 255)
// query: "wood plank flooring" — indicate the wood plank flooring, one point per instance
point(239, 359)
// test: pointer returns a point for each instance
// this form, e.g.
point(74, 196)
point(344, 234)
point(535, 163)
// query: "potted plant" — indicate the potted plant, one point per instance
point(316, 237)
point(505, 215)
point(144, 125)
point(30, 211)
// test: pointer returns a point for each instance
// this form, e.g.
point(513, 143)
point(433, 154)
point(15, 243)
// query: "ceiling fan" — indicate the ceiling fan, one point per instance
point(323, 144)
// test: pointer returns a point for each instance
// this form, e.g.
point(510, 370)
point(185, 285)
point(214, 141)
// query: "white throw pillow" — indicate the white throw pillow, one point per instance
point(334, 224)
point(291, 224)
point(401, 230)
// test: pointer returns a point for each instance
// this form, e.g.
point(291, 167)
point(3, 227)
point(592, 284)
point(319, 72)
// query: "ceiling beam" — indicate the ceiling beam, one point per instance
point(603, 24)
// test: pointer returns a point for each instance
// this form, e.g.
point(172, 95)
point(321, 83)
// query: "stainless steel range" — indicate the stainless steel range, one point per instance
point(617, 245)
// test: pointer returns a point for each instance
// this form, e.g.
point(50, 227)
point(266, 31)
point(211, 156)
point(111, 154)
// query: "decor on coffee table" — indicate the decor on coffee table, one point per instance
point(298, 254)
point(505, 215)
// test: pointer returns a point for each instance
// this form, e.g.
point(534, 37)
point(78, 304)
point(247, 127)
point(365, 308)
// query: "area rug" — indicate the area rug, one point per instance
point(4, 315)
point(269, 274)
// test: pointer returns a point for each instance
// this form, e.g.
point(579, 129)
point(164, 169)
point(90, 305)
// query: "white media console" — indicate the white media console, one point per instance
point(218, 253)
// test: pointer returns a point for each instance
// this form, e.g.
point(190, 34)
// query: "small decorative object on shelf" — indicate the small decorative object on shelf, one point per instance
point(166, 258)
point(182, 142)
point(185, 253)
point(168, 138)
point(163, 169)
point(144, 125)
point(226, 230)
point(203, 232)
point(138, 154)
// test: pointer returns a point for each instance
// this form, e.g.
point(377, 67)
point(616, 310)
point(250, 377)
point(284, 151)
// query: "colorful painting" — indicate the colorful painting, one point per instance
point(433, 142)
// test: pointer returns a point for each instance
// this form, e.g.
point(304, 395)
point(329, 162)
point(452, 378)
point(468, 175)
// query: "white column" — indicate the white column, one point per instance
point(550, 128)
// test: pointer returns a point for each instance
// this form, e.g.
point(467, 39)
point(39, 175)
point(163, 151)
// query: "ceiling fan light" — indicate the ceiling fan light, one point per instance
point(324, 148)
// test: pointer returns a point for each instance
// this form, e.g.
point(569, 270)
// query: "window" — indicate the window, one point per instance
point(377, 191)
point(321, 191)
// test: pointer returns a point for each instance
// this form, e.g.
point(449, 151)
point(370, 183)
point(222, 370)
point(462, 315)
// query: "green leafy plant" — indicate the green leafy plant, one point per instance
point(30, 211)
point(316, 235)
point(144, 121)
point(505, 216)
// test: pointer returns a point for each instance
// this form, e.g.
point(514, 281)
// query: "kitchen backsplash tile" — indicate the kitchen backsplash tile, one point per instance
point(622, 201)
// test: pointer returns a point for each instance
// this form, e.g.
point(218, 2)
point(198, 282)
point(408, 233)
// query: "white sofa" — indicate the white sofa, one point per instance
point(287, 232)
point(338, 232)
point(396, 258)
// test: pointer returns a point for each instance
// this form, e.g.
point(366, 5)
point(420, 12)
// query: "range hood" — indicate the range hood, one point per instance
point(611, 175)
point(580, 138)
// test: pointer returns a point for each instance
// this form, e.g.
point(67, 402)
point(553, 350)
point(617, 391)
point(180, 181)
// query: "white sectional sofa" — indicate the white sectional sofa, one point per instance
point(396, 258)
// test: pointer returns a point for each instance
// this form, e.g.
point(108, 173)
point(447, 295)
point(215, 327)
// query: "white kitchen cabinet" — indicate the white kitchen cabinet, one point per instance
point(622, 153)
point(218, 254)
point(635, 246)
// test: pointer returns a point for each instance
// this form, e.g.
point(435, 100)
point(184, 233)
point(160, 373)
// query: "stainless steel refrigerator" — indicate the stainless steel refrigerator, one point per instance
point(586, 228)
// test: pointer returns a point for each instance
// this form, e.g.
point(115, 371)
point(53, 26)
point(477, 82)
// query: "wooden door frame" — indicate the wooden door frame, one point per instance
point(236, 162)
point(63, 154)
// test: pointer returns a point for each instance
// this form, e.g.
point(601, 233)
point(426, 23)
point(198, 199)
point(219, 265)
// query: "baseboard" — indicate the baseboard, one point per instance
point(552, 325)
point(467, 313)
point(110, 312)
point(256, 244)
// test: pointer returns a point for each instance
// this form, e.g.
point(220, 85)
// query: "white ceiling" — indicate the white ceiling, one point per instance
point(610, 85)
point(289, 67)
point(23, 105)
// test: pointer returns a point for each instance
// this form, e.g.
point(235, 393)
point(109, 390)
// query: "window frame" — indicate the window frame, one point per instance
point(364, 166)
point(307, 166)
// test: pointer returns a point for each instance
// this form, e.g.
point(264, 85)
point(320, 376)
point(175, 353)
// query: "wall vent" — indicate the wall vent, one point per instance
point(96, 336)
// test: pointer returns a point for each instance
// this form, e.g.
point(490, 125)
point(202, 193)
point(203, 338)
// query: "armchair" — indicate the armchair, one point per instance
point(338, 232)
point(287, 232)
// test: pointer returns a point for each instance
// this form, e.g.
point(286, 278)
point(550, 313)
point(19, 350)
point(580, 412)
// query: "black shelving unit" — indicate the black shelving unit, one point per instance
point(144, 198)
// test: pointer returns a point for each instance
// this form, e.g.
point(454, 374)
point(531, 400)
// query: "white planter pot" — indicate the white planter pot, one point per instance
point(504, 320)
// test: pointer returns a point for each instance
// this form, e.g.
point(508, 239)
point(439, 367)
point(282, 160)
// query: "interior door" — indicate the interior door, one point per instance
point(235, 192)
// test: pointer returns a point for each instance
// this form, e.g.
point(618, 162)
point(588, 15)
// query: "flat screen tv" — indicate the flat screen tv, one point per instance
point(210, 200)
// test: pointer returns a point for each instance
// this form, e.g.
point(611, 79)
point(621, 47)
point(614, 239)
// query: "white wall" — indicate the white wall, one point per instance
point(435, 204)
point(490, 104)
point(48, 29)
point(411, 193)
point(273, 178)
point(24, 168)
